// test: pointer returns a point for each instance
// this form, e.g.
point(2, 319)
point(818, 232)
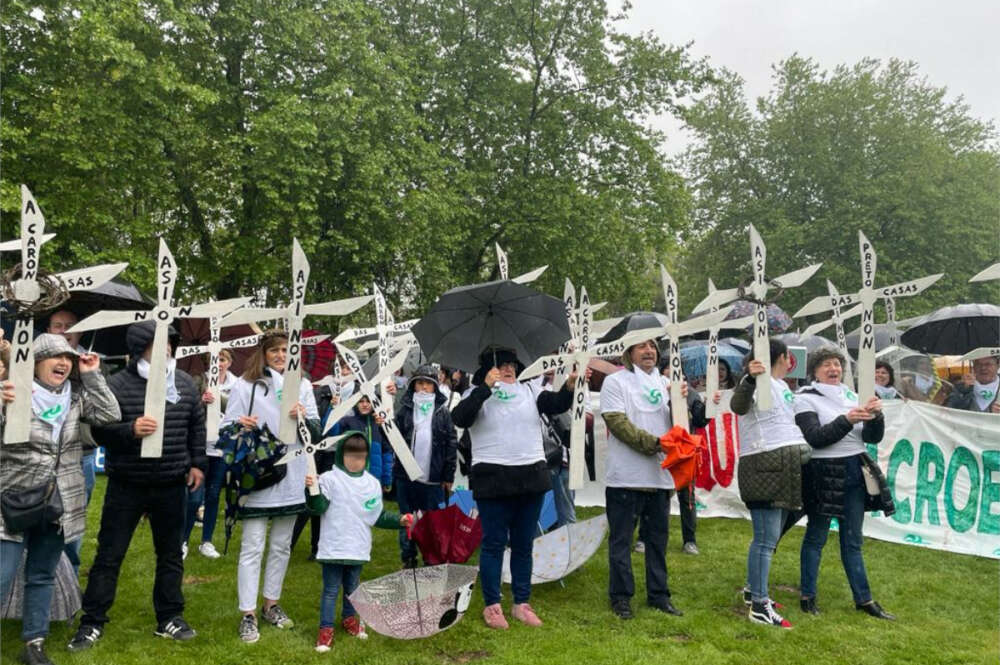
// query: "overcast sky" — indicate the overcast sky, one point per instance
point(956, 43)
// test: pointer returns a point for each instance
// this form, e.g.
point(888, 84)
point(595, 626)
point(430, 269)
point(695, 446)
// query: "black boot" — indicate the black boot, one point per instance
point(808, 605)
point(875, 610)
point(666, 607)
point(622, 609)
point(34, 653)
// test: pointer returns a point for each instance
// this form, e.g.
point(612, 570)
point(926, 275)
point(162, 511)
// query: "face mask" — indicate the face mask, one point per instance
point(173, 396)
point(51, 407)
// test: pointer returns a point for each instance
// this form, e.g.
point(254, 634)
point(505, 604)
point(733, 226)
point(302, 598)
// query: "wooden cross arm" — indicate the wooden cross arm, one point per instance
point(15, 245)
point(337, 307)
point(253, 315)
point(823, 325)
point(529, 276)
point(702, 322)
point(85, 279)
point(991, 273)
point(210, 309)
point(981, 352)
point(109, 319)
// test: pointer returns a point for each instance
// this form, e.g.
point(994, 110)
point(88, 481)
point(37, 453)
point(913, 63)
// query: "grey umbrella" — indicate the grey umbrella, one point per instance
point(469, 319)
point(66, 599)
point(634, 321)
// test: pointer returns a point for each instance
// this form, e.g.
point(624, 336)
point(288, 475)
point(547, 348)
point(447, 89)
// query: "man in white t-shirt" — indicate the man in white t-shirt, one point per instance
point(978, 391)
point(635, 406)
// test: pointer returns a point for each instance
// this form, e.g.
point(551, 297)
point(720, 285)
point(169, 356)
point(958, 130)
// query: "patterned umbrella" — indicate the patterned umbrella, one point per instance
point(560, 552)
point(418, 602)
point(694, 357)
point(66, 600)
point(777, 320)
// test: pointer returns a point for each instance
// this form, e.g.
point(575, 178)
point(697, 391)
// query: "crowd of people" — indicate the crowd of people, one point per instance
point(803, 456)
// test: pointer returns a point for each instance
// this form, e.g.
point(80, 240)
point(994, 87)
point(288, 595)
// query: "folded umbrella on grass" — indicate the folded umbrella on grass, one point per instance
point(418, 602)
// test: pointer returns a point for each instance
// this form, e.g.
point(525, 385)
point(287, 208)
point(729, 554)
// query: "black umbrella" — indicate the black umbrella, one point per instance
point(469, 319)
point(955, 330)
point(634, 321)
point(115, 294)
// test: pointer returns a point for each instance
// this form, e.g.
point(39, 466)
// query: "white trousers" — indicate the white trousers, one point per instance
point(251, 553)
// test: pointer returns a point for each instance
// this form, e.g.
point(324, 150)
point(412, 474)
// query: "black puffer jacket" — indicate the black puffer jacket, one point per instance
point(823, 483)
point(183, 429)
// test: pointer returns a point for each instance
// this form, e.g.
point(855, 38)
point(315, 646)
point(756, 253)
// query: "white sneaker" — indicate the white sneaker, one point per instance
point(208, 550)
point(184, 551)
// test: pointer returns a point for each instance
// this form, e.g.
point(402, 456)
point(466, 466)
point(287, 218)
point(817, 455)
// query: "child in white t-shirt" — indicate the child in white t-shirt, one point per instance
point(345, 540)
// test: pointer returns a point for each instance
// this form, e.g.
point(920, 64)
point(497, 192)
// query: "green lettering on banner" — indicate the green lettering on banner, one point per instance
point(989, 522)
point(928, 488)
point(902, 453)
point(962, 520)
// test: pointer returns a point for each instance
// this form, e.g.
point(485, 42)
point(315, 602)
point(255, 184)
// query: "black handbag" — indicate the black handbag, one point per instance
point(27, 508)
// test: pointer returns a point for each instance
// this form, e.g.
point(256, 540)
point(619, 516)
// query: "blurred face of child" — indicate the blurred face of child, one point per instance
point(364, 406)
point(423, 386)
point(355, 462)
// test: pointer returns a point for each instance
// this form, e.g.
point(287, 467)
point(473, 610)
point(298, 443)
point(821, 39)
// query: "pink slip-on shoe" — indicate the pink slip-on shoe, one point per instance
point(493, 616)
point(526, 615)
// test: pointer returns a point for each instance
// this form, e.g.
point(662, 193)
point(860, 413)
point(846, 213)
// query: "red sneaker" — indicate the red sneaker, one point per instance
point(324, 640)
point(353, 626)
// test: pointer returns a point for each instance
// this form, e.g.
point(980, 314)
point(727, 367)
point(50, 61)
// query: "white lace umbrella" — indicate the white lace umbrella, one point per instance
point(563, 550)
point(418, 602)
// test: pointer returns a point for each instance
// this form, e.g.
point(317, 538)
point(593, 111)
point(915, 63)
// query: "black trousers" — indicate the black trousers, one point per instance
point(625, 508)
point(689, 514)
point(300, 525)
point(124, 505)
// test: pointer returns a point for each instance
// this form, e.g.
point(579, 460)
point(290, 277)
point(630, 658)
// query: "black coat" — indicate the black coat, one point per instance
point(183, 433)
point(444, 443)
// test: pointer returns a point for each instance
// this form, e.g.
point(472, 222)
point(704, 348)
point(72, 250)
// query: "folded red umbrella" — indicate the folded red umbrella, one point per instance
point(683, 451)
point(447, 535)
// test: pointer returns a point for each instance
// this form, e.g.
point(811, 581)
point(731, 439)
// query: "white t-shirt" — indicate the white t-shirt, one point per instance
point(289, 491)
point(833, 401)
point(225, 388)
point(643, 398)
point(985, 393)
point(761, 431)
point(508, 429)
point(346, 526)
point(423, 415)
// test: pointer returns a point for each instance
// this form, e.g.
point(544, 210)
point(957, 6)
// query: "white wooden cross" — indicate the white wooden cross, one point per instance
point(26, 288)
point(504, 265)
point(712, 362)
point(676, 329)
point(213, 411)
point(867, 296)
point(294, 313)
point(309, 449)
point(162, 315)
point(579, 358)
point(761, 285)
point(371, 390)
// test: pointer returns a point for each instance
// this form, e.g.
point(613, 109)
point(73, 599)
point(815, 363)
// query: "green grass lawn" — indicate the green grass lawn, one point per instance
point(947, 606)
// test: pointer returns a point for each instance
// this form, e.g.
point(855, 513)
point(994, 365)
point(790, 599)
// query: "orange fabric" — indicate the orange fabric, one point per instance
point(683, 454)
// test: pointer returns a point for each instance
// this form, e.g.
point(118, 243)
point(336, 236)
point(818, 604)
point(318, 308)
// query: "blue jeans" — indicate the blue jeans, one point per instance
point(563, 496)
point(512, 519)
point(213, 490)
point(335, 576)
point(818, 528)
point(194, 501)
point(413, 496)
point(45, 546)
point(89, 480)
point(767, 525)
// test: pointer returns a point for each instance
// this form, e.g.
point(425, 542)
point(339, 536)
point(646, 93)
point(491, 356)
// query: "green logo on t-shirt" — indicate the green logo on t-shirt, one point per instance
point(788, 396)
point(653, 395)
point(370, 503)
point(850, 395)
point(986, 395)
point(278, 393)
point(51, 413)
point(425, 408)
point(503, 395)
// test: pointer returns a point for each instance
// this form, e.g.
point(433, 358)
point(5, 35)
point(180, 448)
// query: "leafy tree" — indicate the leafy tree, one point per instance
point(871, 146)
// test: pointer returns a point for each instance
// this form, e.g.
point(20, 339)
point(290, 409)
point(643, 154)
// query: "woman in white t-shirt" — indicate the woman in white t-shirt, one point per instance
point(837, 427)
point(508, 476)
point(770, 473)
